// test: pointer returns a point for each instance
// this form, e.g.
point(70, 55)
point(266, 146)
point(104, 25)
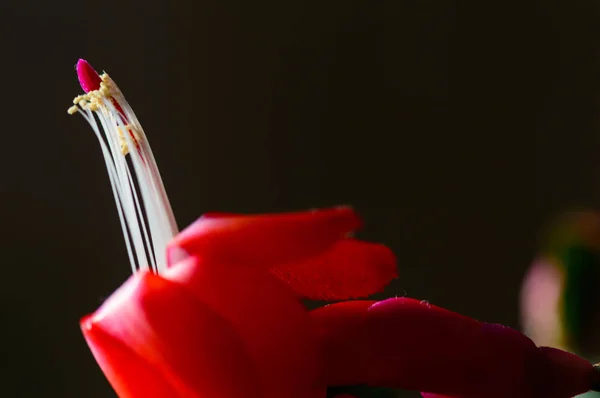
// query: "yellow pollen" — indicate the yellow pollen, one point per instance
point(123, 142)
point(94, 101)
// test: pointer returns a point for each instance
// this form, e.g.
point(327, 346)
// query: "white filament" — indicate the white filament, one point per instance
point(147, 224)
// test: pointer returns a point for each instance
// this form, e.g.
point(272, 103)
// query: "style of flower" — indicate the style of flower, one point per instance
point(215, 311)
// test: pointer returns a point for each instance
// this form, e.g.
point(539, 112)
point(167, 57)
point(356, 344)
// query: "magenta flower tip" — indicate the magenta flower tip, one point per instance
point(89, 79)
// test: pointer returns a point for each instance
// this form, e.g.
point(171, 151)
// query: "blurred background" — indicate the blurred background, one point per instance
point(458, 130)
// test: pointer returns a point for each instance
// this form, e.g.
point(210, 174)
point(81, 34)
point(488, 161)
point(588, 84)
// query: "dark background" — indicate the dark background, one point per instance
point(455, 128)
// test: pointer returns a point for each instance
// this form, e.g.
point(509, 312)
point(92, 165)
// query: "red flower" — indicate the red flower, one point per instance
point(214, 311)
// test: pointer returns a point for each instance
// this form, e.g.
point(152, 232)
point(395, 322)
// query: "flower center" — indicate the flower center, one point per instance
point(145, 213)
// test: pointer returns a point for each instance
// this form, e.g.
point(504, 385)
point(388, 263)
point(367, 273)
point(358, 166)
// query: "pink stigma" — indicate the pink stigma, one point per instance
point(88, 77)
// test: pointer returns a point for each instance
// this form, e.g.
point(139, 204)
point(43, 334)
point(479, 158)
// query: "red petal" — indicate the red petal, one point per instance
point(264, 240)
point(346, 353)
point(400, 343)
point(275, 327)
point(404, 343)
point(195, 350)
point(350, 269)
point(570, 374)
point(123, 367)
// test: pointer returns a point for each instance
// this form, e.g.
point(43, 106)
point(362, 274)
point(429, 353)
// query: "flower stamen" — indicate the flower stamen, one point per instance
point(144, 209)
